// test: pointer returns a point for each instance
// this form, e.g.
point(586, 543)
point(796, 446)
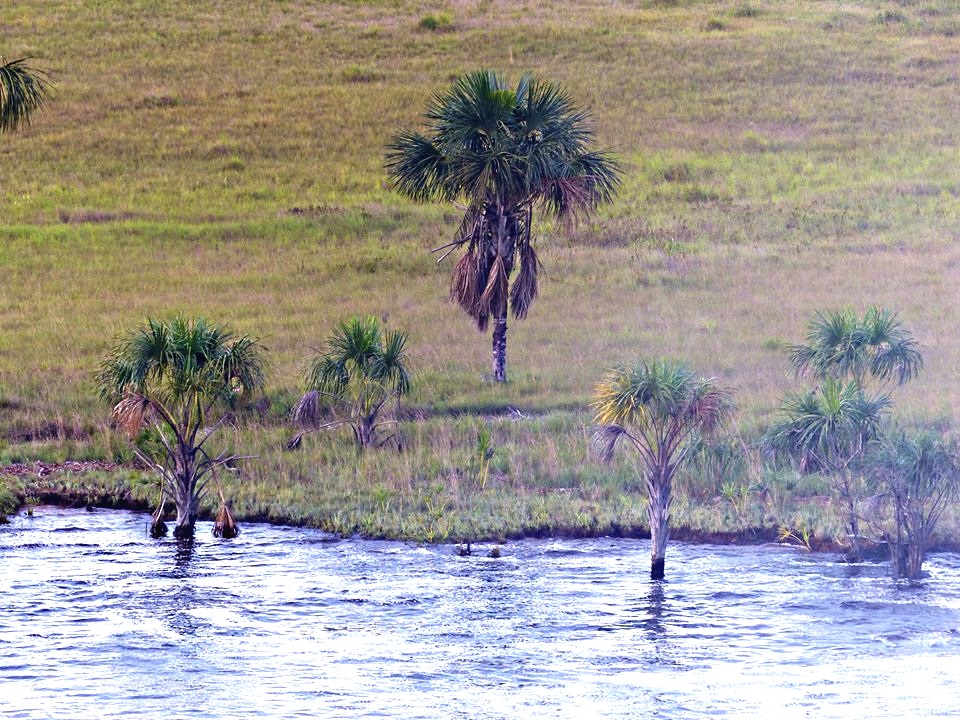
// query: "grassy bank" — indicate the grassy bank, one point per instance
point(780, 158)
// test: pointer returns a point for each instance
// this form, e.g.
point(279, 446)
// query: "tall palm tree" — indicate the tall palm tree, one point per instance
point(829, 429)
point(845, 346)
point(23, 90)
point(504, 153)
point(360, 369)
point(173, 376)
point(660, 408)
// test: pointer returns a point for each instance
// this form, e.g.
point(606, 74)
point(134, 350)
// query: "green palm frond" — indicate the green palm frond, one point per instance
point(843, 345)
point(828, 425)
point(23, 91)
point(418, 168)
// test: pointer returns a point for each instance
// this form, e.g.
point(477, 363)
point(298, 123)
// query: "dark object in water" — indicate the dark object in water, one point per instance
point(158, 528)
point(225, 525)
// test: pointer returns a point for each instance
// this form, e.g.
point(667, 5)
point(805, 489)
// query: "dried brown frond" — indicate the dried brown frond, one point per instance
point(130, 413)
point(463, 284)
point(527, 285)
point(295, 442)
point(225, 526)
point(604, 441)
point(471, 226)
point(308, 409)
point(158, 528)
point(493, 301)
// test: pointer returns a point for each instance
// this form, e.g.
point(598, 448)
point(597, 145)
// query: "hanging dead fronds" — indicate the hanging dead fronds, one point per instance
point(308, 409)
point(604, 441)
point(130, 413)
point(526, 287)
point(225, 525)
point(296, 441)
point(158, 528)
point(463, 284)
point(493, 301)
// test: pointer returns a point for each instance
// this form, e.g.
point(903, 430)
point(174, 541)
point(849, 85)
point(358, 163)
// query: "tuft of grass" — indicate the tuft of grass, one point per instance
point(891, 17)
point(361, 74)
point(437, 22)
point(747, 10)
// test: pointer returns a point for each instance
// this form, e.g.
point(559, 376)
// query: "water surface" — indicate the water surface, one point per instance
point(99, 621)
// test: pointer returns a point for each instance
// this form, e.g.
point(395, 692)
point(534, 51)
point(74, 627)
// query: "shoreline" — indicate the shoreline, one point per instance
point(122, 497)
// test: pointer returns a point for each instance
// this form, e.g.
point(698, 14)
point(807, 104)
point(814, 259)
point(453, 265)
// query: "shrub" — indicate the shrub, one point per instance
point(437, 22)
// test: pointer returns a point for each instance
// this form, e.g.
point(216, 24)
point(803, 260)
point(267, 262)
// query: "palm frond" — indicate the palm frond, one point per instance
point(526, 286)
point(493, 300)
point(308, 410)
point(463, 283)
point(130, 413)
point(604, 440)
point(225, 525)
point(417, 168)
point(23, 91)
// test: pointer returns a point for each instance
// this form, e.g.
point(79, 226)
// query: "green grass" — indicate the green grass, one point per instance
point(780, 158)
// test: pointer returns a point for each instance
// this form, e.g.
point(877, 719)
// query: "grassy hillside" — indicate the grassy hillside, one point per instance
point(781, 157)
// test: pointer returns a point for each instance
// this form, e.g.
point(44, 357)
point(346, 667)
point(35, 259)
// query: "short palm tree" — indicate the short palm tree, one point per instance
point(845, 346)
point(174, 377)
point(361, 368)
point(23, 90)
point(505, 153)
point(920, 472)
point(660, 408)
point(828, 430)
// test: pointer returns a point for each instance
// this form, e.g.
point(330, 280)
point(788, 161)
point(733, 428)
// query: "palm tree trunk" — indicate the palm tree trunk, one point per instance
point(914, 559)
point(658, 513)
point(188, 503)
point(500, 348)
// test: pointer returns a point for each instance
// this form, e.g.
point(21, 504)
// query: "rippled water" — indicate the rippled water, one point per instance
point(99, 621)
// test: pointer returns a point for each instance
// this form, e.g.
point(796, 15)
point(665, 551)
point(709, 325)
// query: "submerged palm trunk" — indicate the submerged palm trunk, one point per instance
point(658, 514)
point(185, 493)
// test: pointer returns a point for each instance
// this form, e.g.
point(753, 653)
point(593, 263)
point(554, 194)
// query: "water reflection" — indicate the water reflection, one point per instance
point(653, 623)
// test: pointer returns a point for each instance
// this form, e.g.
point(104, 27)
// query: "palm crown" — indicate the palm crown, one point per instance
point(843, 345)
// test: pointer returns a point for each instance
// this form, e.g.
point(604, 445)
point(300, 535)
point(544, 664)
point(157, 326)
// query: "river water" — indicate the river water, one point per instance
point(99, 621)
